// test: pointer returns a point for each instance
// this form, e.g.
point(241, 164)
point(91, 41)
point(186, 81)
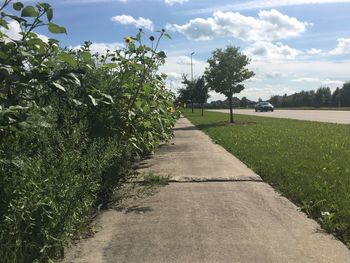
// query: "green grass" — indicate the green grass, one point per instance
point(308, 162)
point(156, 180)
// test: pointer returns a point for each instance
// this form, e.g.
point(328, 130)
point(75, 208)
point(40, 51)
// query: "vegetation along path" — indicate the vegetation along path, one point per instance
point(215, 209)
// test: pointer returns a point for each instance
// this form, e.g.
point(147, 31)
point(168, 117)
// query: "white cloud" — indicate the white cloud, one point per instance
point(13, 33)
point(271, 51)
point(84, 2)
point(314, 51)
point(185, 60)
point(271, 25)
point(172, 2)
point(101, 48)
point(343, 47)
point(264, 4)
point(260, 4)
point(129, 20)
point(306, 79)
point(332, 83)
point(174, 75)
point(274, 75)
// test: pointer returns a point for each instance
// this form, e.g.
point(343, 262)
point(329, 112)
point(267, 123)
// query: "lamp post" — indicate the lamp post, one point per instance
point(192, 78)
point(192, 67)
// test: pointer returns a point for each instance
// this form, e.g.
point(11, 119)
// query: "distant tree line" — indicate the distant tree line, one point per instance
point(322, 97)
point(237, 103)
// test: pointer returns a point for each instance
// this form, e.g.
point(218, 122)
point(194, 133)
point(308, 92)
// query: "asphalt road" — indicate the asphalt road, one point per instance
point(342, 117)
point(215, 210)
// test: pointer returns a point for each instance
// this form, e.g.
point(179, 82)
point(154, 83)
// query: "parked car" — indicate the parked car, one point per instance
point(264, 106)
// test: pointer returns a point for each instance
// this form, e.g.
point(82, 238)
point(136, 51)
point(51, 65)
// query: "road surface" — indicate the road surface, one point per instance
point(308, 115)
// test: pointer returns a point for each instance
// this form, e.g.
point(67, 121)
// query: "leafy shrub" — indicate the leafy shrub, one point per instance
point(71, 124)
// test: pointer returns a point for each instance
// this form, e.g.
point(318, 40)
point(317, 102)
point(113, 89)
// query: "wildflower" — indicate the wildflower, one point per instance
point(325, 214)
point(170, 109)
point(128, 40)
point(151, 38)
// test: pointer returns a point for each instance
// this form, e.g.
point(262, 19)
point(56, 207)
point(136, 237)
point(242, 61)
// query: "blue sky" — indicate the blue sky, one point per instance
point(294, 44)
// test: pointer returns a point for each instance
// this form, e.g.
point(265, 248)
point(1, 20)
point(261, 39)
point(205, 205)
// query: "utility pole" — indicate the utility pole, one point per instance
point(192, 67)
point(192, 78)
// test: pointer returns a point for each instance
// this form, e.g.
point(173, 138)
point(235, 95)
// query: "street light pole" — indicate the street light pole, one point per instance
point(192, 67)
point(192, 78)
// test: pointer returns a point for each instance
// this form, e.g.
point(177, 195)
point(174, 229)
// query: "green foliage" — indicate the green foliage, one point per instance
point(227, 69)
point(71, 125)
point(307, 161)
point(344, 95)
point(154, 179)
point(195, 91)
point(322, 97)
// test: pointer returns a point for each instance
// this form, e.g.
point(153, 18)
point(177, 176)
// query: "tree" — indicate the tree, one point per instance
point(227, 69)
point(323, 97)
point(195, 91)
point(336, 98)
point(345, 95)
point(187, 94)
point(201, 92)
point(244, 102)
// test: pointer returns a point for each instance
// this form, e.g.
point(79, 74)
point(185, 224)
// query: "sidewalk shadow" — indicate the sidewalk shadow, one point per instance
point(188, 128)
point(224, 124)
point(202, 126)
point(212, 125)
point(136, 209)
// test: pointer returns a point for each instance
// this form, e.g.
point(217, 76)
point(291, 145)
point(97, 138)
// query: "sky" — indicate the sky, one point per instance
point(293, 45)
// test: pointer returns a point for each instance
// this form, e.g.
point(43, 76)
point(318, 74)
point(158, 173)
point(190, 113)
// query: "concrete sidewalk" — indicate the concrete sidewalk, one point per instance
point(215, 210)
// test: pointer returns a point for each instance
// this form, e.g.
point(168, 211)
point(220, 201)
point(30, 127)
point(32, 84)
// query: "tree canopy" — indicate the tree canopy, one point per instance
point(226, 71)
point(195, 91)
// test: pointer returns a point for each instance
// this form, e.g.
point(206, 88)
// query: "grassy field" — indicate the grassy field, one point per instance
point(308, 162)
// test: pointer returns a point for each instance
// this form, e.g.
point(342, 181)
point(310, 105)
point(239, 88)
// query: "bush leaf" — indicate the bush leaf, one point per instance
point(65, 57)
point(56, 29)
point(18, 6)
point(58, 86)
point(49, 14)
point(29, 11)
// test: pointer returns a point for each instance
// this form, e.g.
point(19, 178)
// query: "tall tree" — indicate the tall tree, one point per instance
point(195, 91)
point(187, 94)
point(323, 97)
point(336, 98)
point(244, 102)
point(345, 95)
point(227, 69)
point(201, 91)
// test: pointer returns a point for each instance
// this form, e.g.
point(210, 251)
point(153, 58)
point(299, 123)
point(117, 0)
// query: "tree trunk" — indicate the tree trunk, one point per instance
point(202, 109)
point(192, 107)
point(231, 111)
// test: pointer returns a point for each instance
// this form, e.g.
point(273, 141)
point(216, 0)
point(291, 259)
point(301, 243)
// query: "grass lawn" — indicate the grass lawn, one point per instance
point(308, 162)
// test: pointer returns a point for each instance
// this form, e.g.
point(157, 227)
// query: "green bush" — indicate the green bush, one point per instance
point(71, 125)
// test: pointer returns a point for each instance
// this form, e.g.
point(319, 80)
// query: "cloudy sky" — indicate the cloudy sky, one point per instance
point(294, 45)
